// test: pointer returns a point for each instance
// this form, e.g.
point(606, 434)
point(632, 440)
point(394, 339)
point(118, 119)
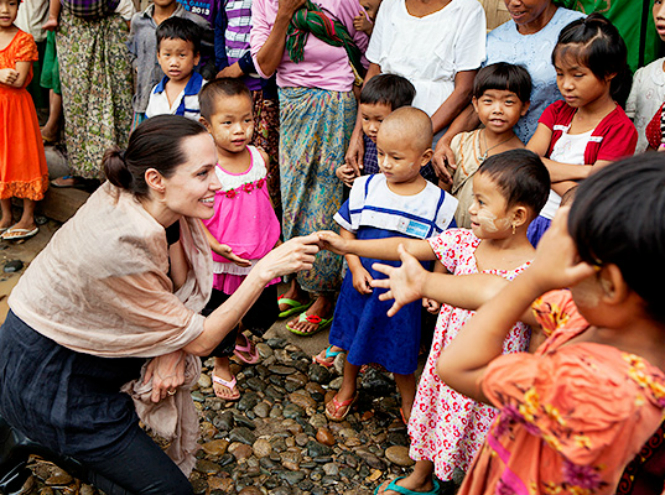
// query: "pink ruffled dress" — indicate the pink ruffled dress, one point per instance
point(244, 219)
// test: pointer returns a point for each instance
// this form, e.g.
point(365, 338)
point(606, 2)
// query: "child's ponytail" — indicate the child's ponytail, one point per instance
point(597, 44)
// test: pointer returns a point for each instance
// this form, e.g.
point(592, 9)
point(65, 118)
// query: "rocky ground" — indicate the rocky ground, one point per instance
point(277, 440)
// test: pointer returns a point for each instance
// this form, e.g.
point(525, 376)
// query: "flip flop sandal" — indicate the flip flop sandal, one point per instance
point(338, 405)
point(14, 234)
point(314, 320)
point(241, 351)
point(231, 385)
point(323, 361)
point(405, 491)
point(295, 306)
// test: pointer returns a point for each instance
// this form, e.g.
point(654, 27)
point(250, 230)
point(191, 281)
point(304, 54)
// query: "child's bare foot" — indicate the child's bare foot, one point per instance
point(316, 318)
point(327, 356)
point(340, 406)
point(49, 136)
point(223, 381)
point(295, 300)
point(51, 24)
point(408, 484)
point(5, 224)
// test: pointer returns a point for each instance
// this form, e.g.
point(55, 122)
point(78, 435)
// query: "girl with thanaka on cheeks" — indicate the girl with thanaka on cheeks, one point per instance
point(244, 227)
point(574, 414)
point(398, 203)
point(447, 428)
point(588, 128)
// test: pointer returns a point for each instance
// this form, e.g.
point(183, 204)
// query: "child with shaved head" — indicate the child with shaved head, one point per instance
point(398, 202)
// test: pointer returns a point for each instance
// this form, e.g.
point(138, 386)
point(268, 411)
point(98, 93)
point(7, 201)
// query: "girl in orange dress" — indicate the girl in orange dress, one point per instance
point(23, 171)
point(575, 413)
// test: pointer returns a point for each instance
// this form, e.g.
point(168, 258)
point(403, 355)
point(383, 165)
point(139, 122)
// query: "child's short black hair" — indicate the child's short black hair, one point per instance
point(503, 76)
point(388, 89)
point(179, 28)
point(521, 176)
point(618, 217)
point(219, 88)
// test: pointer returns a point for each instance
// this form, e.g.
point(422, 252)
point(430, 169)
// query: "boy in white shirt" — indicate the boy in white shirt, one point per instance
point(178, 52)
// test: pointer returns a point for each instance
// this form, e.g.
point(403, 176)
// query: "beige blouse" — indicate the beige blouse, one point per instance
point(101, 286)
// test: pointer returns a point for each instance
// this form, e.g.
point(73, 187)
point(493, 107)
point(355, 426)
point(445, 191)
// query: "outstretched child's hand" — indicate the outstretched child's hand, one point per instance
point(362, 280)
point(346, 174)
point(333, 242)
point(431, 305)
point(226, 251)
point(404, 283)
point(362, 23)
point(557, 264)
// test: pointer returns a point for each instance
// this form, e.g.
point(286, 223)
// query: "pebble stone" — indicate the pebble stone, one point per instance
point(276, 440)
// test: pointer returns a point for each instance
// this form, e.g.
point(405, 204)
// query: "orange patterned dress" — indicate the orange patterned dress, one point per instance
point(571, 416)
point(23, 171)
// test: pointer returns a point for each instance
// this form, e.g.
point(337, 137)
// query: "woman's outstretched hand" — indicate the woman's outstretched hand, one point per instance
point(557, 264)
point(404, 283)
point(292, 256)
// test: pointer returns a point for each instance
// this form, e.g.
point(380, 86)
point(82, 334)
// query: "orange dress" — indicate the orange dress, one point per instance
point(571, 417)
point(23, 171)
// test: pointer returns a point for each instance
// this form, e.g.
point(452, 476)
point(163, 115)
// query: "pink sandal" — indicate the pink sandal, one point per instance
point(335, 416)
point(231, 385)
point(247, 348)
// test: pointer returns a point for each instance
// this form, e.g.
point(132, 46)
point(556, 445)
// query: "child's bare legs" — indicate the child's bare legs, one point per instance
point(407, 389)
point(345, 393)
point(7, 220)
point(52, 126)
point(420, 480)
point(222, 370)
point(27, 220)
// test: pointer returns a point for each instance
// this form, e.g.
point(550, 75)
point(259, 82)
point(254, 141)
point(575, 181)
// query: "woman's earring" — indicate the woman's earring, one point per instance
point(513, 229)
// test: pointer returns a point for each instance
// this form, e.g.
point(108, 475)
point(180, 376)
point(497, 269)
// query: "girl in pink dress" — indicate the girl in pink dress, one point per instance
point(244, 227)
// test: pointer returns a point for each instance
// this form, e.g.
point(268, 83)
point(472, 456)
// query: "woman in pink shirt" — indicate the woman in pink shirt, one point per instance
point(317, 115)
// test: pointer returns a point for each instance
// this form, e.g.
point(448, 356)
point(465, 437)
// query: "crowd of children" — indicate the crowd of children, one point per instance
point(582, 388)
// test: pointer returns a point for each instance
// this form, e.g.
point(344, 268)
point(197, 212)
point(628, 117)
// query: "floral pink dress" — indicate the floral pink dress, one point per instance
point(446, 427)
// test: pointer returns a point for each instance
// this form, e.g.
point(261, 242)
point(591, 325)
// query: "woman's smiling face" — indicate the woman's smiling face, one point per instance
point(190, 191)
point(525, 12)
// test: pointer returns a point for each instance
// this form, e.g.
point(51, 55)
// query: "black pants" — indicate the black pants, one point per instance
point(258, 319)
point(142, 468)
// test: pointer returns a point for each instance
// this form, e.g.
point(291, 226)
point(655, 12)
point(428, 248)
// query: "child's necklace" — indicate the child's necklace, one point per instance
point(483, 157)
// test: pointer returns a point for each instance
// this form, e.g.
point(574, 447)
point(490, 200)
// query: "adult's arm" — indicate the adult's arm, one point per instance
point(294, 255)
point(221, 23)
point(467, 120)
point(271, 40)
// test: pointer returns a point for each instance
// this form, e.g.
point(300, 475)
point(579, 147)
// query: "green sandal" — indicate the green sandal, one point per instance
point(295, 306)
point(313, 319)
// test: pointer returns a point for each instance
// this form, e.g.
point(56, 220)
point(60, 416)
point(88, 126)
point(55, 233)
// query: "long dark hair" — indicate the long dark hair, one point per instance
point(598, 46)
point(618, 217)
point(156, 143)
